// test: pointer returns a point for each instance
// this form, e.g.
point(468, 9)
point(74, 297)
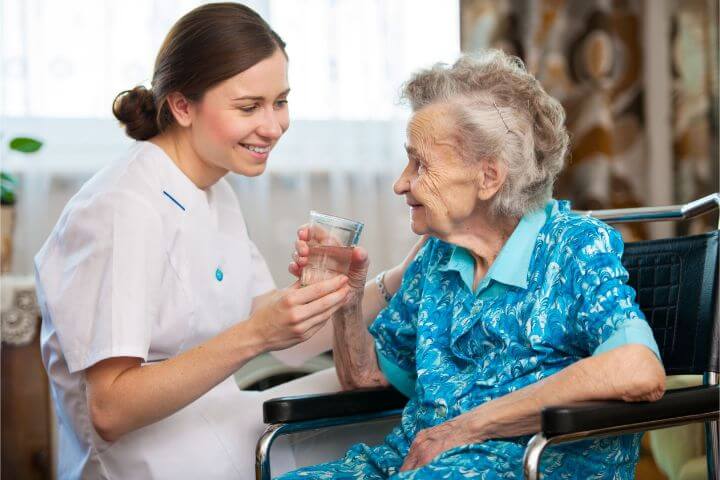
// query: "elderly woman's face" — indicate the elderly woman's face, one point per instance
point(441, 188)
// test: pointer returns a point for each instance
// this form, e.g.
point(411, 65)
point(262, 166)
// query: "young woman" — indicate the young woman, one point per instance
point(152, 293)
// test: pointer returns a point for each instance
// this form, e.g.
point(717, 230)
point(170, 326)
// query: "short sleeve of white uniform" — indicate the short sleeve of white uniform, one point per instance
point(262, 281)
point(101, 277)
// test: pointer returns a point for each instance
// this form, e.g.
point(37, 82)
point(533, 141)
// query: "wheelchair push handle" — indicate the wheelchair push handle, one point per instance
point(685, 211)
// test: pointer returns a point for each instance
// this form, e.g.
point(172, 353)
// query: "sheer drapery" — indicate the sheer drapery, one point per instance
point(347, 58)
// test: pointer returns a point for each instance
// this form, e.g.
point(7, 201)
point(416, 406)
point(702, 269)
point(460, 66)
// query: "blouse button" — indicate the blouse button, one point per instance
point(219, 274)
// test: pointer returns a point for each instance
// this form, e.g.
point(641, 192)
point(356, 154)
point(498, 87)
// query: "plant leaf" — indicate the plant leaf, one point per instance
point(25, 144)
point(7, 196)
point(6, 177)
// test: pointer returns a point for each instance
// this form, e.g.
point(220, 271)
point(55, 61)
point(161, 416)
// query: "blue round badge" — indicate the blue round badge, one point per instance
point(219, 274)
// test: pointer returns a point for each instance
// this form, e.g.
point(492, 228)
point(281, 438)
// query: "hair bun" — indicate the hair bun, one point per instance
point(136, 110)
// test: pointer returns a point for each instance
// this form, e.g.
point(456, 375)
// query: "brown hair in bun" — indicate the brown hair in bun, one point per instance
point(136, 111)
point(209, 44)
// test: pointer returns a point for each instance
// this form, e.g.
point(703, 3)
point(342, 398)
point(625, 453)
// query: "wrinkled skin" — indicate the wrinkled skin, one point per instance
point(440, 185)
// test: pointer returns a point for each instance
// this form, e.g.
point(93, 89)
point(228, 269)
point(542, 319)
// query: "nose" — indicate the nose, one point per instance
point(402, 184)
point(270, 126)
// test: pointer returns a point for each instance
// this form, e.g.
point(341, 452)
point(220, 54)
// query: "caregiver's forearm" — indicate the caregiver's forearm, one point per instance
point(354, 349)
point(141, 395)
point(631, 373)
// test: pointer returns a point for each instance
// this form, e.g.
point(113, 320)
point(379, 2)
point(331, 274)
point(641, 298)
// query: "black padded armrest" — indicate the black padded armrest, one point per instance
point(588, 416)
point(341, 404)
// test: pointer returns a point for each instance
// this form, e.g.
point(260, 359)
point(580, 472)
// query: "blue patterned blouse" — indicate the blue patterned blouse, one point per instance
point(555, 294)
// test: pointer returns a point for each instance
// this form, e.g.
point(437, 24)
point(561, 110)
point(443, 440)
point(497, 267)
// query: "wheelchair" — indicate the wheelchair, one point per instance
point(676, 280)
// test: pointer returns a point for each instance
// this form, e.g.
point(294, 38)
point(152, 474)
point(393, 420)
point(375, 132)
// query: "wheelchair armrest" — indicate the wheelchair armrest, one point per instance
point(341, 404)
point(677, 404)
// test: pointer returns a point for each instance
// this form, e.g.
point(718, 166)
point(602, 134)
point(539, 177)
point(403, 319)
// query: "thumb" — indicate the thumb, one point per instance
point(359, 263)
point(359, 256)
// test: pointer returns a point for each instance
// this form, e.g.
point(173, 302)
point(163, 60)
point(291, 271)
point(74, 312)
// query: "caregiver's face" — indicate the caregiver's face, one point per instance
point(238, 122)
point(439, 186)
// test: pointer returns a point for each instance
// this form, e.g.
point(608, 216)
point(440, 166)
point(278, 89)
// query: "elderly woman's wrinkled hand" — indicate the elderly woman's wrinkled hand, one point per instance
point(431, 442)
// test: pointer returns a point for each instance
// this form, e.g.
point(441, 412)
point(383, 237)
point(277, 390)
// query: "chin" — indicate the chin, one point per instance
point(250, 170)
point(418, 228)
point(247, 168)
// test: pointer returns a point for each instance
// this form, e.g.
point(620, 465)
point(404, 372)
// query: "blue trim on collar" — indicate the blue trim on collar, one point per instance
point(173, 199)
point(513, 262)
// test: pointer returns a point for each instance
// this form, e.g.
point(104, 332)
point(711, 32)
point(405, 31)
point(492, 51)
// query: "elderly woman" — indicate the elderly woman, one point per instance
point(513, 304)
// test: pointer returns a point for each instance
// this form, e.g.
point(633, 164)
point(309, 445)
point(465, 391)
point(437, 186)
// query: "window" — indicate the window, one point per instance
point(348, 58)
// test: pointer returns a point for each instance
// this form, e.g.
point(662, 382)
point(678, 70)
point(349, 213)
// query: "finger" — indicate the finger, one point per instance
point(310, 332)
point(302, 248)
point(323, 303)
point(359, 263)
point(294, 269)
point(300, 261)
point(315, 323)
point(304, 295)
point(303, 232)
point(412, 459)
point(409, 462)
point(359, 255)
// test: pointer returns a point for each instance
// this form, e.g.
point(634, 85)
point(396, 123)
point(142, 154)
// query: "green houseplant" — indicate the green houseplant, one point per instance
point(8, 197)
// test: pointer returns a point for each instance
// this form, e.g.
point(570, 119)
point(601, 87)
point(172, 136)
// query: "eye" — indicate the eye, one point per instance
point(419, 164)
point(249, 108)
point(281, 104)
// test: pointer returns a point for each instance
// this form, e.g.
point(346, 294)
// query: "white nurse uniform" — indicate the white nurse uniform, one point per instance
point(144, 264)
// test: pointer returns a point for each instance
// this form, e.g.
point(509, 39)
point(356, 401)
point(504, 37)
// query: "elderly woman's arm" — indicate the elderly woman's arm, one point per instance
point(631, 373)
point(356, 360)
point(354, 349)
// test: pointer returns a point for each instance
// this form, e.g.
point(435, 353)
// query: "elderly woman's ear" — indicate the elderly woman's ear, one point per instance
point(491, 176)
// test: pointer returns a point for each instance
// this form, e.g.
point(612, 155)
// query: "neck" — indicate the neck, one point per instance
point(176, 144)
point(483, 235)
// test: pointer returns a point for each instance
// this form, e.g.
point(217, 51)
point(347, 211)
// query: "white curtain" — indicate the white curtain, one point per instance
point(63, 63)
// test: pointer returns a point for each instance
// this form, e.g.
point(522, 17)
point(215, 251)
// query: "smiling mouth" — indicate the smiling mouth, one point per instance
point(255, 148)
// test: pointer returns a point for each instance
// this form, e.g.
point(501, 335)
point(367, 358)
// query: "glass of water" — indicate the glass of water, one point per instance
point(331, 241)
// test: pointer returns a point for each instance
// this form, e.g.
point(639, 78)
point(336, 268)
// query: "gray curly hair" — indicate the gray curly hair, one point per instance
point(502, 113)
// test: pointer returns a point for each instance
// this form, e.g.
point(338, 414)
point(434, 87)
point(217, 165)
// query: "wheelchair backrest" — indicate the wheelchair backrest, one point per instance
point(676, 284)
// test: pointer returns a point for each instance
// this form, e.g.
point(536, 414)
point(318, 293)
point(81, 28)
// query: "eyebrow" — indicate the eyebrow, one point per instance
point(260, 98)
point(411, 150)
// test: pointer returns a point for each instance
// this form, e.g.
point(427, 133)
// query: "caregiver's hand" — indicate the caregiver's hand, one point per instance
point(431, 442)
point(290, 316)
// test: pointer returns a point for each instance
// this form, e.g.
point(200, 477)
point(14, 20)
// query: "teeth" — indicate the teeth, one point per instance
point(253, 148)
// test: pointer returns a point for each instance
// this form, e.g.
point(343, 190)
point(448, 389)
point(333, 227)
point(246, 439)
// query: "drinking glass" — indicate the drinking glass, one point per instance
point(331, 241)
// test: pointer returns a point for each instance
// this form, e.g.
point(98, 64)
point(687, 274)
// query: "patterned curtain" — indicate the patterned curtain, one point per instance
point(695, 102)
point(589, 55)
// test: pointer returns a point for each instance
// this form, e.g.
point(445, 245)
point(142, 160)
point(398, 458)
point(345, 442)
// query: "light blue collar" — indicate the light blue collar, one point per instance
point(513, 262)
